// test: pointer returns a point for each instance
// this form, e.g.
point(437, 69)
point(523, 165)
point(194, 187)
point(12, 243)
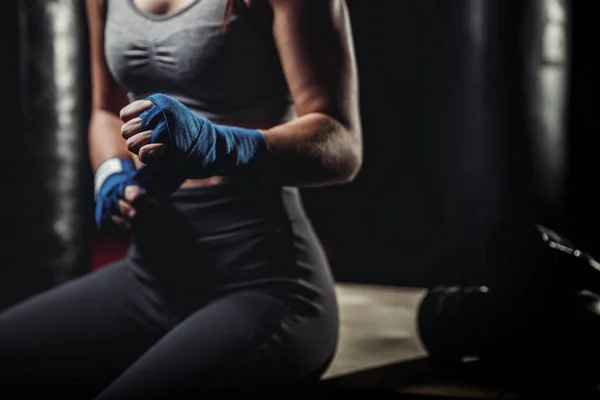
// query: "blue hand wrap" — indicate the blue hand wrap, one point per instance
point(199, 148)
point(111, 179)
point(115, 174)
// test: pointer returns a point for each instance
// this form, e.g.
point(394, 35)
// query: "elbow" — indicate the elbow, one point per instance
point(351, 165)
point(350, 158)
point(355, 171)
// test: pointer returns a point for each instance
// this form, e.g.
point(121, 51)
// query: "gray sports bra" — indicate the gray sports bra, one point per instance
point(228, 76)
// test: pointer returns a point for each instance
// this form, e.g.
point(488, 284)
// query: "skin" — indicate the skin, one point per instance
point(323, 146)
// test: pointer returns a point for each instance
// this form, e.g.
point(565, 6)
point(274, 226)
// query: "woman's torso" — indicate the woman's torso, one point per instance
point(180, 48)
point(239, 236)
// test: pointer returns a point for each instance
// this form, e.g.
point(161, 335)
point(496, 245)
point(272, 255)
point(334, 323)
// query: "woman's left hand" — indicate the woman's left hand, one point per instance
point(162, 130)
point(138, 142)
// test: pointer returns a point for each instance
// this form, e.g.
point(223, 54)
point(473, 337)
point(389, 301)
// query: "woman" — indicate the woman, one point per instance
point(207, 116)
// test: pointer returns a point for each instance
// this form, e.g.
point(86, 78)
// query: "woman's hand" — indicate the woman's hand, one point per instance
point(161, 128)
point(118, 194)
point(127, 207)
point(138, 142)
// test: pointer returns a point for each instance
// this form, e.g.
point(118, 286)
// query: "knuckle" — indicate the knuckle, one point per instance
point(142, 156)
point(130, 190)
point(131, 144)
point(145, 153)
point(132, 195)
point(123, 114)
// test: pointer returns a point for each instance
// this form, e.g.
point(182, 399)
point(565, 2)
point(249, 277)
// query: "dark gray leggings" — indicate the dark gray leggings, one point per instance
point(243, 300)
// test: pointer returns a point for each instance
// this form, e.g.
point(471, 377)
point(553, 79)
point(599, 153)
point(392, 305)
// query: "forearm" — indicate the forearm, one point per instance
point(105, 139)
point(313, 150)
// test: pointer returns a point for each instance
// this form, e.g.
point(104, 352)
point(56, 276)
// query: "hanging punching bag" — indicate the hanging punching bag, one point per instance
point(548, 65)
point(524, 67)
point(484, 141)
point(11, 162)
point(55, 91)
point(517, 74)
point(460, 91)
point(583, 213)
point(501, 114)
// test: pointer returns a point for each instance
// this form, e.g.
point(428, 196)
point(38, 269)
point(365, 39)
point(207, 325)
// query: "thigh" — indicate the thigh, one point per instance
point(78, 337)
point(246, 340)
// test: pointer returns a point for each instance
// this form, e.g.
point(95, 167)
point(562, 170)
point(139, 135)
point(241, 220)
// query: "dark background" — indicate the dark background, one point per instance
point(465, 145)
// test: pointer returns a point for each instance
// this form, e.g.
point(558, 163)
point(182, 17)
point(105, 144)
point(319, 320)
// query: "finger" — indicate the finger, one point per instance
point(127, 210)
point(131, 127)
point(119, 221)
point(132, 194)
point(134, 109)
point(137, 141)
point(151, 152)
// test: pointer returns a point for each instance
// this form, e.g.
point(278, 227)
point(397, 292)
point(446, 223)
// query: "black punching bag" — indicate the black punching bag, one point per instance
point(499, 111)
point(55, 98)
point(583, 213)
point(452, 197)
point(484, 144)
point(547, 55)
point(11, 161)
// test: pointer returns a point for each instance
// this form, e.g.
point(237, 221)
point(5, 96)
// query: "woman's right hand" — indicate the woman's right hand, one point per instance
point(118, 195)
point(132, 196)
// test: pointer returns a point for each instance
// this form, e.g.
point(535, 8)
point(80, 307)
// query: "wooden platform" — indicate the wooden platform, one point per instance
point(378, 327)
point(380, 349)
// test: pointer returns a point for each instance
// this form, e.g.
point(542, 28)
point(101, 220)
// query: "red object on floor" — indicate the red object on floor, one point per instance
point(108, 248)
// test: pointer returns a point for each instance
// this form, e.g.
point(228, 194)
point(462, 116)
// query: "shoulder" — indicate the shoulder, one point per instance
point(96, 6)
point(307, 9)
point(298, 4)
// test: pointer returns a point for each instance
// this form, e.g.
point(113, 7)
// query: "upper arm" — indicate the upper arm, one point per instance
point(107, 94)
point(316, 49)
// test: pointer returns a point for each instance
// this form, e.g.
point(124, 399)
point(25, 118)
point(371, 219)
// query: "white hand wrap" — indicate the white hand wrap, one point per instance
point(107, 168)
